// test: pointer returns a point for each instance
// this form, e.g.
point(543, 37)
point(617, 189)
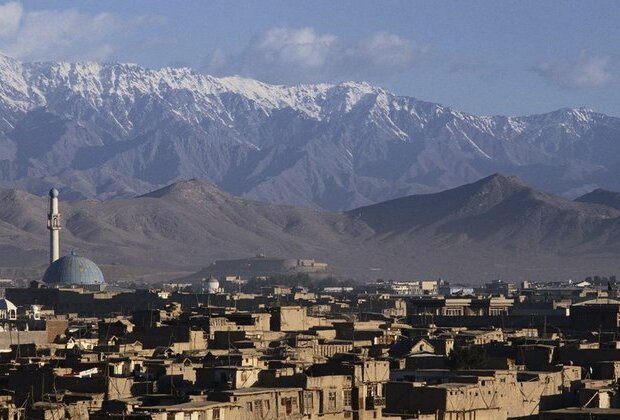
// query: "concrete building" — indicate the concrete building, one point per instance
point(596, 314)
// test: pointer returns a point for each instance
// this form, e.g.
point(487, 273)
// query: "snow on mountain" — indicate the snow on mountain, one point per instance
point(113, 130)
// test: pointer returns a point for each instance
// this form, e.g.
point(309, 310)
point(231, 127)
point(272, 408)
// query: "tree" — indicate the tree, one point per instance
point(467, 357)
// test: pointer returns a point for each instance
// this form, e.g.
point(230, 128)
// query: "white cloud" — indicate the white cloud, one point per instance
point(301, 54)
point(61, 34)
point(10, 16)
point(217, 60)
point(299, 47)
point(584, 71)
point(385, 49)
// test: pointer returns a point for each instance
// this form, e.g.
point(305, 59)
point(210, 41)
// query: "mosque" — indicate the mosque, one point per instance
point(71, 270)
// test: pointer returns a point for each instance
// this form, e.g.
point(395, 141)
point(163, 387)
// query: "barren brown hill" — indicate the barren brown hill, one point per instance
point(600, 196)
point(496, 227)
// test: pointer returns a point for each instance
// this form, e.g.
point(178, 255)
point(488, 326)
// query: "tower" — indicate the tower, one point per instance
point(54, 226)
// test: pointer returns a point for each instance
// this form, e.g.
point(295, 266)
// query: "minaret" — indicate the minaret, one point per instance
point(53, 224)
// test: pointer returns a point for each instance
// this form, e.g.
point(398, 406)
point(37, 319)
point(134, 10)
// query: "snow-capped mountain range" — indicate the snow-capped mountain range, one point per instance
point(118, 130)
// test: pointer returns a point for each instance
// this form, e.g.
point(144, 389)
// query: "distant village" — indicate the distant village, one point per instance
point(264, 338)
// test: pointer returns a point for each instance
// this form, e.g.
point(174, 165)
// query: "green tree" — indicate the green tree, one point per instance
point(467, 357)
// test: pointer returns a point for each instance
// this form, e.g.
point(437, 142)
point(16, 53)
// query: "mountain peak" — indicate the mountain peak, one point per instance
point(359, 86)
point(581, 115)
point(123, 129)
point(601, 196)
point(191, 189)
point(498, 179)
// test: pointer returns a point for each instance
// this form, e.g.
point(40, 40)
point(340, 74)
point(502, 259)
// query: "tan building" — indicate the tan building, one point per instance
point(513, 394)
point(265, 403)
point(194, 410)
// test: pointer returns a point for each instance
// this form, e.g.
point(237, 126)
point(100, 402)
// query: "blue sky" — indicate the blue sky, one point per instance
point(484, 57)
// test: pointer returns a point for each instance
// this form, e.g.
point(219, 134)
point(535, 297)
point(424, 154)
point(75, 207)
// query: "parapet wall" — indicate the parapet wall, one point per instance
point(8, 338)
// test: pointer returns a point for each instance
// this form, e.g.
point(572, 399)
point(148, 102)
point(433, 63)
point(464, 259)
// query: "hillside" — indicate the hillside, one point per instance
point(600, 196)
point(120, 130)
point(495, 227)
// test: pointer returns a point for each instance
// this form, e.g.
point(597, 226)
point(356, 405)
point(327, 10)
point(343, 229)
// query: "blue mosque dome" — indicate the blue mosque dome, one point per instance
point(73, 270)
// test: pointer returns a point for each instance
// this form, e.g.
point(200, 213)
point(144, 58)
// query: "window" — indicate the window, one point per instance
point(372, 390)
point(287, 403)
point(347, 398)
point(216, 414)
point(452, 312)
point(331, 400)
point(248, 407)
point(258, 407)
point(308, 402)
